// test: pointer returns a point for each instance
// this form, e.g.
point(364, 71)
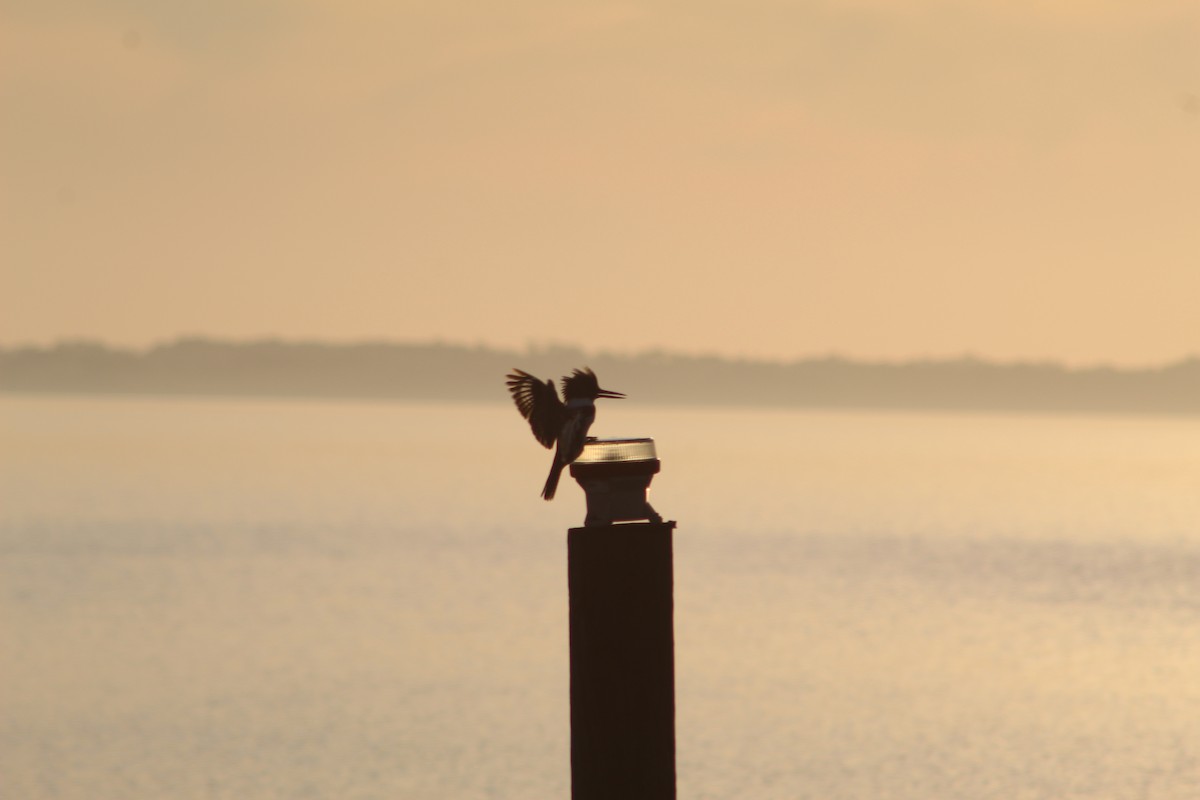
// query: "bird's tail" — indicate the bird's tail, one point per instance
point(552, 481)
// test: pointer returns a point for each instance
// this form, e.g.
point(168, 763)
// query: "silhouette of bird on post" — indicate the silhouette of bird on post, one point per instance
point(552, 420)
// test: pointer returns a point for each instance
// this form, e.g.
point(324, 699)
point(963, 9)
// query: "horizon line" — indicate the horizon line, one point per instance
point(541, 349)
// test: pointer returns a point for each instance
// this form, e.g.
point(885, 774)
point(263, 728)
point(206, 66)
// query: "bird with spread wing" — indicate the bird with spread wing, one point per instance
point(553, 420)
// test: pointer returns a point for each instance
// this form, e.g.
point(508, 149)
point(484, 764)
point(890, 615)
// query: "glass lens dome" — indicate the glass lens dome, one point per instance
point(607, 451)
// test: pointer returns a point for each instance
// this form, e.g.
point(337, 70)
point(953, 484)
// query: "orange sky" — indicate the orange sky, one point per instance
point(780, 179)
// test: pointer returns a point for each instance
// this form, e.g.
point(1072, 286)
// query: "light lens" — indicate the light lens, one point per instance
point(598, 451)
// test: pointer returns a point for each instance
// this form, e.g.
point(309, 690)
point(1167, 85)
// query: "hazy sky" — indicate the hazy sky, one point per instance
point(873, 178)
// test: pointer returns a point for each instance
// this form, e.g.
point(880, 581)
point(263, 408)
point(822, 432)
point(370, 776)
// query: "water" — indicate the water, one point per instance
point(254, 599)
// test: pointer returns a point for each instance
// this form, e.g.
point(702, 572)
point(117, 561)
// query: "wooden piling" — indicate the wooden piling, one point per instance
point(620, 582)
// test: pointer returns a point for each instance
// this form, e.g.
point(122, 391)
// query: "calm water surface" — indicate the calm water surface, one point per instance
point(254, 599)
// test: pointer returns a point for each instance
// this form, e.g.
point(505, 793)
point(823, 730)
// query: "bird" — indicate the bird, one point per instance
point(552, 420)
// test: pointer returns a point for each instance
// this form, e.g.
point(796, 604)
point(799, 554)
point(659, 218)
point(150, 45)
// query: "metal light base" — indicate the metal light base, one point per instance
point(615, 475)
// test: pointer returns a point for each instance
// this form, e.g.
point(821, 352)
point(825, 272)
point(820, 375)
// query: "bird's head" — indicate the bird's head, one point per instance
point(582, 383)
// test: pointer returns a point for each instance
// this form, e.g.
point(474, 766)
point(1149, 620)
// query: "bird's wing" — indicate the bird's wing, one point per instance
point(538, 402)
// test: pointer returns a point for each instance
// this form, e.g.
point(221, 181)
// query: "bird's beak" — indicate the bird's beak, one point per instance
point(613, 395)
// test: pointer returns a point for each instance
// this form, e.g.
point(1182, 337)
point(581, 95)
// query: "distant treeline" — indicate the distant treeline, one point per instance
point(445, 372)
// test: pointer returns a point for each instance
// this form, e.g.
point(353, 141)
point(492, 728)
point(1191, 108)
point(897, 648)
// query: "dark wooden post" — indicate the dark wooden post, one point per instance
point(622, 662)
